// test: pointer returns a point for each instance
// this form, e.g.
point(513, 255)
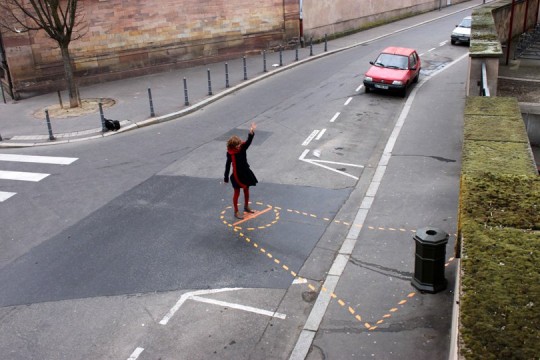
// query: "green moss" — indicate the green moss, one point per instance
point(495, 200)
point(497, 157)
point(482, 105)
point(479, 48)
point(500, 302)
point(510, 128)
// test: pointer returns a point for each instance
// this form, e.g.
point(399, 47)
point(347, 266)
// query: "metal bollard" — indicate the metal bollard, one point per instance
point(227, 75)
point(429, 260)
point(325, 43)
point(310, 46)
point(102, 116)
point(280, 56)
point(245, 68)
point(152, 113)
point(3, 96)
point(296, 53)
point(186, 100)
point(209, 82)
point(264, 61)
point(49, 127)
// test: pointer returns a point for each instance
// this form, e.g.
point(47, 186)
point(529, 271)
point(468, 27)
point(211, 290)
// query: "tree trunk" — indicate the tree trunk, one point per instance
point(71, 85)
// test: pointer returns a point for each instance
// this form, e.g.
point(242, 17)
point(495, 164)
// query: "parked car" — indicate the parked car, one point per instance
point(462, 32)
point(395, 69)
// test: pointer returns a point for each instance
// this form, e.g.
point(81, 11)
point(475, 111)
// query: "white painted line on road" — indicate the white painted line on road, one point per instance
point(301, 158)
point(315, 317)
point(22, 176)
point(135, 355)
point(359, 88)
point(310, 137)
point(348, 101)
point(187, 296)
point(57, 160)
point(4, 195)
point(303, 345)
point(317, 163)
point(239, 307)
point(335, 117)
point(320, 134)
point(337, 163)
point(430, 50)
point(443, 43)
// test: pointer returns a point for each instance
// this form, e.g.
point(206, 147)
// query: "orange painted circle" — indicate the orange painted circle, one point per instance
point(243, 224)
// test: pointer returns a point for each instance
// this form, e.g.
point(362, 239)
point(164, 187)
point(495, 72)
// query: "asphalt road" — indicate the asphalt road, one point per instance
point(132, 245)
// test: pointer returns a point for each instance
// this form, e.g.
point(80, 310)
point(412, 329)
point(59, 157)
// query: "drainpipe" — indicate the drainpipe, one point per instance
point(509, 42)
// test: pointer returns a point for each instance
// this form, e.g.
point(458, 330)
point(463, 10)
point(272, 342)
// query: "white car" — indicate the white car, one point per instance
point(462, 32)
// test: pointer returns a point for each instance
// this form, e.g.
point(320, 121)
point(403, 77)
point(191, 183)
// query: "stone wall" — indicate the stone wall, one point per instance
point(342, 16)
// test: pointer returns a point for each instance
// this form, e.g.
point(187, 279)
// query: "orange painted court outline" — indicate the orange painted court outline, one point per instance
point(252, 216)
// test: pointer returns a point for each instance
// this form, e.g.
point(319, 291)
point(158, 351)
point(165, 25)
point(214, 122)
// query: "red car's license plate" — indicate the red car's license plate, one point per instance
point(379, 86)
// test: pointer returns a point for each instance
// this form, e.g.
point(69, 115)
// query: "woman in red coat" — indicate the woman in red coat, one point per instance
point(242, 177)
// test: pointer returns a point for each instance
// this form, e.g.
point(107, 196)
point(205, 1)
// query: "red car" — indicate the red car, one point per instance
point(395, 69)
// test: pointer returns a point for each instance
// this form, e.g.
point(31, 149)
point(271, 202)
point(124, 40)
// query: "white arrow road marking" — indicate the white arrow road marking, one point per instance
point(298, 280)
point(4, 195)
point(318, 163)
point(23, 176)
point(194, 296)
point(240, 307)
point(310, 137)
point(38, 159)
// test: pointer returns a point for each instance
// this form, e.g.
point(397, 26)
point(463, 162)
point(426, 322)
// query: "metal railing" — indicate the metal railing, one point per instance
point(484, 88)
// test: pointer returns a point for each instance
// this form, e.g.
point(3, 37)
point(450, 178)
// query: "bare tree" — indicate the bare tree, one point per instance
point(60, 19)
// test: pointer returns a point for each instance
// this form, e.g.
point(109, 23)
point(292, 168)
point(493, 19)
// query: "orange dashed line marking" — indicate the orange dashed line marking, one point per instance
point(341, 302)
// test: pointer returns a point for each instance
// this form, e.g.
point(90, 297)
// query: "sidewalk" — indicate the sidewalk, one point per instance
point(23, 122)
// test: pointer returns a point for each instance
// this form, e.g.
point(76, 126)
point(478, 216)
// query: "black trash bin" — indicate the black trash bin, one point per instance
point(429, 260)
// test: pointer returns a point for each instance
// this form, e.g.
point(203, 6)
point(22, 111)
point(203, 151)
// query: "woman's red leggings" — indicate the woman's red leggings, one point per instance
point(237, 195)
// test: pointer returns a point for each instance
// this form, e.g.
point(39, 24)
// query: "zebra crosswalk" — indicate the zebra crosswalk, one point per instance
point(28, 176)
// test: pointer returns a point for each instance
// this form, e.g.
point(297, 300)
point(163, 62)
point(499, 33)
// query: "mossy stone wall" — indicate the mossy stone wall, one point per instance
point(499, 227)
